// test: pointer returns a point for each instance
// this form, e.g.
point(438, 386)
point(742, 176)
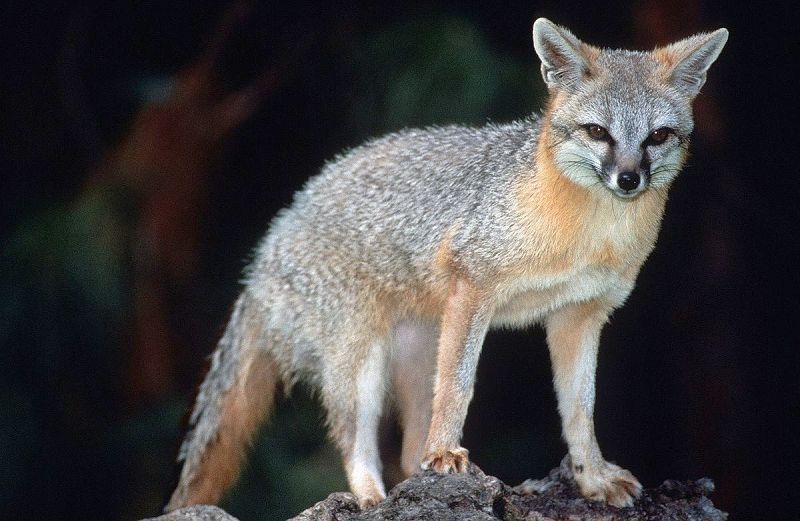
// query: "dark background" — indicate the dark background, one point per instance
point(124, 227)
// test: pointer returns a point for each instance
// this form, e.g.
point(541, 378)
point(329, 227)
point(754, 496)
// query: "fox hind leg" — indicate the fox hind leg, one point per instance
point(354, 407)
point(413, 372)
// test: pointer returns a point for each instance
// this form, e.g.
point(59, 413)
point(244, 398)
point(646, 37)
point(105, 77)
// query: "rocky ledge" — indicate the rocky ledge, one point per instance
point(474, 496)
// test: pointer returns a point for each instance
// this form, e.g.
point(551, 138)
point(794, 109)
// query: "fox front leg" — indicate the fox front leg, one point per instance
point(464, 324)
point(573, 335)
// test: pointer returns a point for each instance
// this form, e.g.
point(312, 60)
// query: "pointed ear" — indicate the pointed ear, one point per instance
point(564, 64)
point(690, 59)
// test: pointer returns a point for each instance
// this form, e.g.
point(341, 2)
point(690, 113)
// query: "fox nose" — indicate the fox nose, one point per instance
point(628, 181)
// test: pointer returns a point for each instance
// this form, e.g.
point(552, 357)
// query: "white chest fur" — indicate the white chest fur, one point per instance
point(526, 300)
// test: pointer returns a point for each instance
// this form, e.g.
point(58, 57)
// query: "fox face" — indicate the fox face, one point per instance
point(620, 132)
point(621, 120)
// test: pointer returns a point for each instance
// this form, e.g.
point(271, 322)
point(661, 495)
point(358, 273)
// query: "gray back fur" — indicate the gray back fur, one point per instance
point(377, 215)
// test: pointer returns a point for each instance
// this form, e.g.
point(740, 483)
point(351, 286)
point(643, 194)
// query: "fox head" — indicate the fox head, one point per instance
point(621, 119)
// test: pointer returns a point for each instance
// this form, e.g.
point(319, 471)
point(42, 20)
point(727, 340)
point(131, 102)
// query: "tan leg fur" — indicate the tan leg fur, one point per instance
point(464, 325)
point(573, 334)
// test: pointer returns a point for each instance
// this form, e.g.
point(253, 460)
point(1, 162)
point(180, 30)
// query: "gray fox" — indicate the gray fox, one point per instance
point(390, 265)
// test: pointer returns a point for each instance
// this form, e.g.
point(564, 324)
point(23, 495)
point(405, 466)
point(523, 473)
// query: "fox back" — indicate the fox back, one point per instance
point(391, 264)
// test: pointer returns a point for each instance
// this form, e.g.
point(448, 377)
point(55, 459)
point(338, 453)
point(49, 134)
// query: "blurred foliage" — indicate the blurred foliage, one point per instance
point(65, 300)
point(437, 71)
point(291, 466)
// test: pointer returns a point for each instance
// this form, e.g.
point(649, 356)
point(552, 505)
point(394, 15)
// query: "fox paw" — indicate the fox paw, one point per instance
point(365, 502)
point(608, 482)
point(447, 461)
point(366, 484)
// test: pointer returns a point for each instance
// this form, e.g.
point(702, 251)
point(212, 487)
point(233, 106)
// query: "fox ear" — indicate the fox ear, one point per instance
point(690, 59)
point(563, 62)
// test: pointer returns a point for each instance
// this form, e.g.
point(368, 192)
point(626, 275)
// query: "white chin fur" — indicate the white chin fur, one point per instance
point(626, 195)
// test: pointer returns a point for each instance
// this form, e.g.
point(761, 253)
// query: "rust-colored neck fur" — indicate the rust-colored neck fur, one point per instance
point(570, 224)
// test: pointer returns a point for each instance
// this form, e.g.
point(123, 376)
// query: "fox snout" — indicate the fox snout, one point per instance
point(627, 175)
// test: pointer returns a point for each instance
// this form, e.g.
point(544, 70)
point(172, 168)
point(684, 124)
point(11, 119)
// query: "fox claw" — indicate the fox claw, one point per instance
point(610, 483)
point(369, 501)
point(447, 461)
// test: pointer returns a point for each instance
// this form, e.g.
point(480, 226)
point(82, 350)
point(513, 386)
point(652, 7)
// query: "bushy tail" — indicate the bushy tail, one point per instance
point(233, 400)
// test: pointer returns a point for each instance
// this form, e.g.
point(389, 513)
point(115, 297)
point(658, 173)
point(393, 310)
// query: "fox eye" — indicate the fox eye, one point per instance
point(596, 132)
point(658, 136)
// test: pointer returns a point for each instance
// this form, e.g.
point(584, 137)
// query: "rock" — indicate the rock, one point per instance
point(336, 507)
point(471, 496)
point(474, 496)
point(195, 513)
point(556, 498)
